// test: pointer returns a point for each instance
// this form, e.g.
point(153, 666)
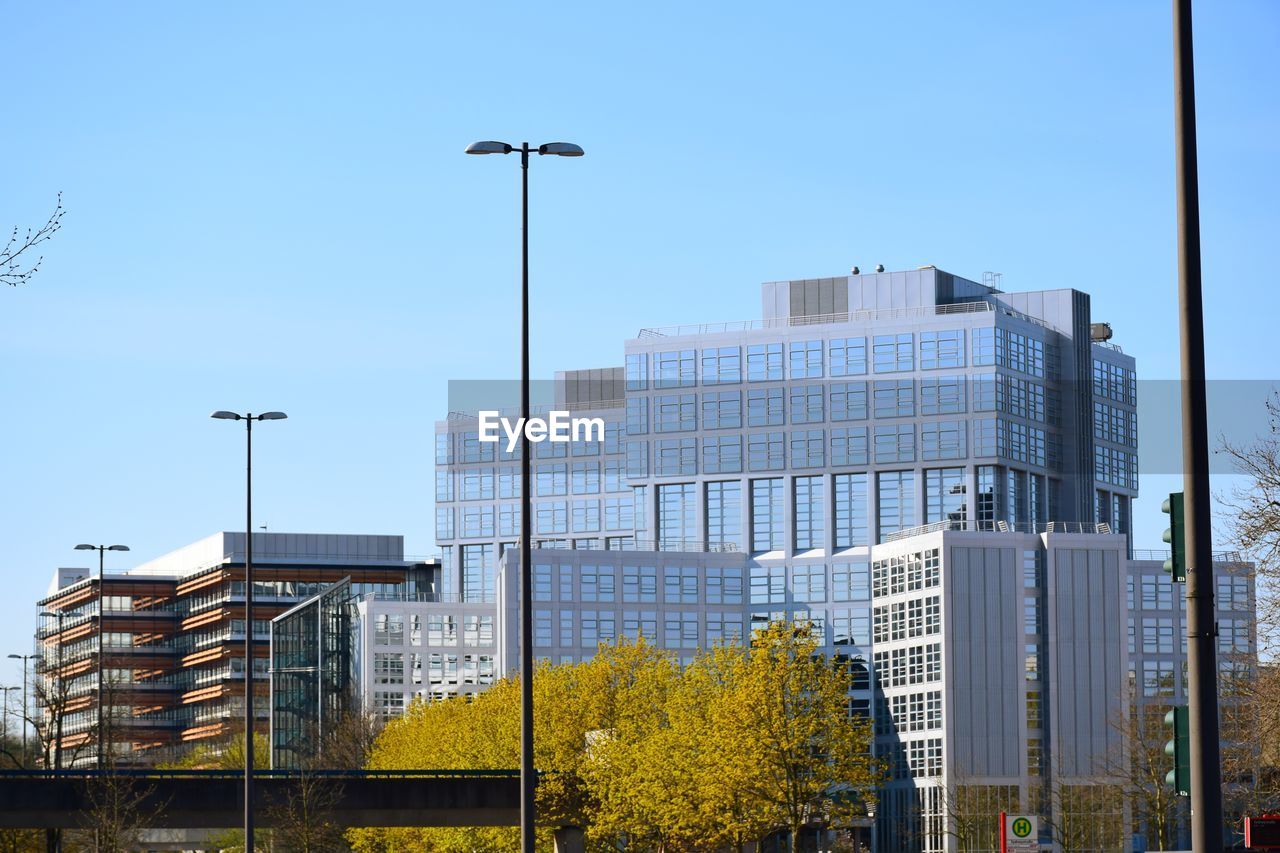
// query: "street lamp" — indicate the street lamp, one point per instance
point(102, 627)
point(5, 730)
point(248, 419)
point(25, 705)
point(527, 780)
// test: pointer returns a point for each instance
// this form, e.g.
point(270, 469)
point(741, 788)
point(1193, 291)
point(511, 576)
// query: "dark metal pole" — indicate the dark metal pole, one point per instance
point(248, 633)
point(102, 627)
point(25, 710)
point(1202, 665)
point(528, 783)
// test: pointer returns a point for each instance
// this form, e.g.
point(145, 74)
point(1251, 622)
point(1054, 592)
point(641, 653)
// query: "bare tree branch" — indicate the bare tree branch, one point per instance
point(14, 268)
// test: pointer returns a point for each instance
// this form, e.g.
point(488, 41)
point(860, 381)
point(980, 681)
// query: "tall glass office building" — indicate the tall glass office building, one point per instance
point(936, 474)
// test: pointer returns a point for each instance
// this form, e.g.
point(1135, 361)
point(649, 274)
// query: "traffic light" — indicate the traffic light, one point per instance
point(1179, 778)
point(1175, 535)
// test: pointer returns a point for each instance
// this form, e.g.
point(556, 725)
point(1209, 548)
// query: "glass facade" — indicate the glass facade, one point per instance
point(313, 672)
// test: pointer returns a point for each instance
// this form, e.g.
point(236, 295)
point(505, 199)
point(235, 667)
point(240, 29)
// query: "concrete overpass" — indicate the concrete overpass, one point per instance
point(209, 799)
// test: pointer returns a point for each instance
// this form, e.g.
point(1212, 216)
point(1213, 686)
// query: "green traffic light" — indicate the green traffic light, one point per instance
point(1179, 749)
point(1174, 534)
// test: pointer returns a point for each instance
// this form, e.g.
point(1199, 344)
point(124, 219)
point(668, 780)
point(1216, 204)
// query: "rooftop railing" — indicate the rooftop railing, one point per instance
point(1002, 527)
point(864, 316)
point(666, 544)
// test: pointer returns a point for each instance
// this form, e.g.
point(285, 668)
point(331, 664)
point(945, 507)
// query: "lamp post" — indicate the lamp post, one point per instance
point(6, 715)
point(53, 837)
point(102, 627)
point(25, 705)
point(527, 781)
point(248, 419)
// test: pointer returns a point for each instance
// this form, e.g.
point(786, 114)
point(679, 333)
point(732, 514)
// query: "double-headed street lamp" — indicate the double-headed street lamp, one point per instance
point(102, 627)
point(527, 781)
point(25, 706)
point(248, 419)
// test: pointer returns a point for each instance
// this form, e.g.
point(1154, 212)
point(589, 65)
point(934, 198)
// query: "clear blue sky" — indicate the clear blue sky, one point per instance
point(268, 208)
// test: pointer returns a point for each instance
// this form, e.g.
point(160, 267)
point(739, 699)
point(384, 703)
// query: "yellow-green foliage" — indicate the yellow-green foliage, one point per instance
point(737, 744)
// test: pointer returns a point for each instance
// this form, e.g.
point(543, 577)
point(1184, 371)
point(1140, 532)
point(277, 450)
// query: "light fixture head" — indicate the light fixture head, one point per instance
point(489, 147)
point(272, 416)
point(16, 657)
point(118, 548)
point(561, 149)
point(50, 613)
point(83, 547)
point(225, 416)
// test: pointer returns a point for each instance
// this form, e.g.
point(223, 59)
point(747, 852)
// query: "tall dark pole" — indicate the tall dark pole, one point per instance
point(102, 627)
point(1202, 665)
point(248, 633)
point(528, 784)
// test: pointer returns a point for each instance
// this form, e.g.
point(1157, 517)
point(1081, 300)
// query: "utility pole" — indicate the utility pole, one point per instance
point(1202, 663)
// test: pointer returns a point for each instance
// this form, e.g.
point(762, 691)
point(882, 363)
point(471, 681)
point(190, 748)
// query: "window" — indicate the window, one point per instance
point(806, 359)
point(766, 514)
point(477, 521)
point(508, 519)
point(850, 582)
point(680, 585)
point(444, 486)
point(675, 412)
point(942, 440)
point(945, 495)
point(808, 448)
point(895, 443)
point(808, 498)
point(637, 458)
point(942, 395)
point(597, 583)
point(724, 513)
point(618, 514)
point(551, 517)
point(1157, 635)
point(765, 451)
point(586, 516)
point(768, 585)
point(893, 353)
point(680, 630)
point(388, 630)
point(724, 586)
point(764, 362)
point(444, 522)
point(848, 356)
point(541, 582)
point(851, 510)
point(941, 349)
point(677, 513)
point(552, 478)
point(637, 415)
point(721, 366)
point(895, 500)
point(894, 398)
point(675, 457)
point(640, 623)
point(444, 449)
point(722, 410)
point(639, 584)
point(477, 574)
point(508, 482)
point(765, 407)
point(849, 446)
point(848, 401)
point(477, 484)
point(809, 583)
point(722, 454)
point(984, 346)
point(674, 369)
point(637, 371)
point(807, 404)
point(1157, 592)
point(586, 478)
